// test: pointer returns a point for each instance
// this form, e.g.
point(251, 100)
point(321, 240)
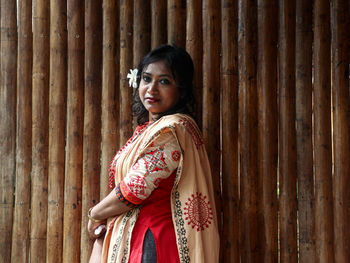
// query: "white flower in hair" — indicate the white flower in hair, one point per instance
point(132, 76)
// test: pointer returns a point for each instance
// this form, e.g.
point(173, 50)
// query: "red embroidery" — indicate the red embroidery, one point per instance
point(176, 155)
point(137, 185)
point(193, 130)
point(155, 160)
point(198, 211)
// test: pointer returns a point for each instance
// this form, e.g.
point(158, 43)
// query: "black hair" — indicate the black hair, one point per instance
point(181, 65)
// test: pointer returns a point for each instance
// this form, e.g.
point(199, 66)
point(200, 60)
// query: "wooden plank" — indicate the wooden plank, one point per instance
point(287, 139)
point(229, 85)
point(40, 130)
point(142, 30)
point(21, 222)
point(341, 127)
point(303, 115)
point(268, 127)
point(110, 93)
point(74, 140)
point(248, 142)
point(194, 47)
point(57, 127)
point(8, 70)
point(92, 119)
point(322, 133)
point(126, 63)
point(211, 93)
point(176, 22)
point(158, 23)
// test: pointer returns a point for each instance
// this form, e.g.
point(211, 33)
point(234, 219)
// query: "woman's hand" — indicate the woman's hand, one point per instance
point(96, 229)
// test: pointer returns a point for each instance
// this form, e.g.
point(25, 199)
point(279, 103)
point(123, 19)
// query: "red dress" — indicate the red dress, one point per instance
point(148, 185)
point(155, 215)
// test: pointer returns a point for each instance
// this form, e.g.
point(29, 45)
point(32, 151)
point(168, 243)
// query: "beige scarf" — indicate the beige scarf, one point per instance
point(192, 202)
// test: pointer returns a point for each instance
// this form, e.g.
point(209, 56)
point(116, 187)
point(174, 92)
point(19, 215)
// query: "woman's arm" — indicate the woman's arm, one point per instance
point(108, 207)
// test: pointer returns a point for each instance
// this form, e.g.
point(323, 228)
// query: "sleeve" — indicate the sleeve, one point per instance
point(159, 161)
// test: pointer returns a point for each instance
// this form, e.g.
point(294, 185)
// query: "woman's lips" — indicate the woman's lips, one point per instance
point(151, 100)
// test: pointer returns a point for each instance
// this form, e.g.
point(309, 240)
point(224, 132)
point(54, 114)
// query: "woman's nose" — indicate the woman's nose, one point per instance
point(153, 87)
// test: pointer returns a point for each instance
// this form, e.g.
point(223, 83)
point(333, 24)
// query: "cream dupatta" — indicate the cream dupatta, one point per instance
point(192, 198)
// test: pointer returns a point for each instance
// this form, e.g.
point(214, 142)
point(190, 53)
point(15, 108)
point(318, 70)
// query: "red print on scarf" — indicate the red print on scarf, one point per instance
point(198, 212)
point(176, 155)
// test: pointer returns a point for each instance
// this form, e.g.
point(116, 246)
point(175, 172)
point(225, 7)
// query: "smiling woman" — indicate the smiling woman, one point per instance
point(161, 207)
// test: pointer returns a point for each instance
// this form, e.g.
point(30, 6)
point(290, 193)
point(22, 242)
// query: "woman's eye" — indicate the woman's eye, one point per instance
point(164, 81)
point(146, 78)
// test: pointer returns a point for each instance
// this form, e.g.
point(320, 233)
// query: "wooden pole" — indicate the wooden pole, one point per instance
point(8, 69)
point(142, 30)
point(341, 128)
point(195, 49)
point(126, 63)
point(287, 140)
point(110, 91)
point(211, 93)
point(21, 222)
point(158, 23)
point(57, 127)
point(229, 88)
point(303, 89)
point(322, 133)
point(268, 127)
point(74, 146)
point(248, 142)
point(40, 130)
point(92, 119)
point(177, 22)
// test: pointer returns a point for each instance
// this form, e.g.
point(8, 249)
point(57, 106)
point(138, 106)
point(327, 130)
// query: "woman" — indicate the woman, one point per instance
point(161, 208)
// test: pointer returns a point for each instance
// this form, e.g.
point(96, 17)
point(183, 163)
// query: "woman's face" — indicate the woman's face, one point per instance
point(158, 90)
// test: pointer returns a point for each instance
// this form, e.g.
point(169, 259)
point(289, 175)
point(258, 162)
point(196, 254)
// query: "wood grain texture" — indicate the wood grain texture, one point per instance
point(8, 78)
point(322, 133)
point(303, 115)
point(21, 221)
point(57, 129)
point(74, 135)
point(158, 23)
point(229, 97)
point(176, 22)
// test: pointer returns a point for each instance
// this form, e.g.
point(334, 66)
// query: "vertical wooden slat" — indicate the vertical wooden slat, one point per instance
point(159, 22)
point(229, 83)
point(211, 92)
point(195, 49)
point(176, 22)
point(40, 128)
point(341, 128)
point(247, 46)
point(303, 115)
point(21, 222)
point(126, 63)
point(74, 147)
point(322, 133)
point(57, 129)
point(142, 30)
point(268, 127)
point(287, 140)
point(92, 118)
point(110, 93)
point(8, 67)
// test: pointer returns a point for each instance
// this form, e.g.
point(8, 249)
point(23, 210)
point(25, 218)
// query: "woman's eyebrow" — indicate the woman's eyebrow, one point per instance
point(162, 75)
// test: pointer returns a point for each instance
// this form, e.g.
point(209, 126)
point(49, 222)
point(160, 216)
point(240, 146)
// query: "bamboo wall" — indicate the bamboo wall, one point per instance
point(272, 84)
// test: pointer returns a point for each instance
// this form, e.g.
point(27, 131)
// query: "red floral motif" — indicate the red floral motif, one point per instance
point(137, 185)
point(155, 160)
point(198, 212)
point(176, 155)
